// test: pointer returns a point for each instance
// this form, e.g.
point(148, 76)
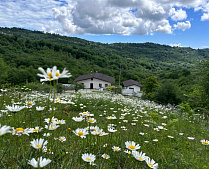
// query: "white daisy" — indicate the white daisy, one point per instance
point(60, 121)
point(78, 119)
point(151, 163)
point(116, 148)
point(90, 158)
point(62, 138)
point(39, 108)
point(81, 132)
point(139, 156)
point(14, 108)
point(4, 129)
point(41, 162)
point(105, 156)
point(91, 120)
point(131, 145)
point(127, 151)
point(38, 143)
point(204, 142)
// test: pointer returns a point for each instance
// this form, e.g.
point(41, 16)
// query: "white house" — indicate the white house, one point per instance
point(95, 80)
point(131, 87)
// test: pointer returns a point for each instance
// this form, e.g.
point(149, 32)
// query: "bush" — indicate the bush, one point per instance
point(167, 93)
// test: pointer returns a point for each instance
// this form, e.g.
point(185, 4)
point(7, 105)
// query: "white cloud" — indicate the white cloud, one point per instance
point(164, 27)
point(182, 25)
point(177, 15)
point(176, 45)
point(22, 14)
point(205, 17)
point(125, 17)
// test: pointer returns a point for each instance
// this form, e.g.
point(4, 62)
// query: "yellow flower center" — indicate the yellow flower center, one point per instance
point(140, 158)
point(88, 159)
point(51, 127)
point(36, 130)
point(61, 139)
point(19, 129)
point(132, 147)
point(80, 133)
point(30, 104)
point(48, 150)
point(91, 121)
point(105, 157)
point(69, 128)
point(49, 74)
point(59, 122)
point(111, 117)
point(204, 142)
point(38, 145)
point(116, 149)
point(57, 74)
point(57, 100)
point(150, 165)
point(0, 134)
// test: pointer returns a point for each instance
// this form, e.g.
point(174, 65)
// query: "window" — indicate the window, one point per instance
point(100, 85)
point(106, 85)
point(91, 79)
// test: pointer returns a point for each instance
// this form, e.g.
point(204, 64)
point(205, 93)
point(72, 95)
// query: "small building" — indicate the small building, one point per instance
point(95, 80)
point(132, 87)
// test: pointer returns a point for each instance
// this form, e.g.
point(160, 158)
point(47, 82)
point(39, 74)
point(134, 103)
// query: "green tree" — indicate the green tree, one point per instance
point(149, 86)
point(204, 81)
point(3, 71)
point(168, 93)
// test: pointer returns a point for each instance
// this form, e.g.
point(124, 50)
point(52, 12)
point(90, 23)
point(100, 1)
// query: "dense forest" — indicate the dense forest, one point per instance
point(168, 74)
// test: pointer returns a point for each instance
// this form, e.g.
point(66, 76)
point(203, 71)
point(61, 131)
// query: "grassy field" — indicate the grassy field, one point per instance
point(109, 126)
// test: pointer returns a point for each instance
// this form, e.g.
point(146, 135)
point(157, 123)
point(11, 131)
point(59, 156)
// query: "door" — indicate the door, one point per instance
point(91, 86)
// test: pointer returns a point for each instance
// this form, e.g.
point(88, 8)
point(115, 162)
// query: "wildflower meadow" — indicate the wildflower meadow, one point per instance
point(96, 129)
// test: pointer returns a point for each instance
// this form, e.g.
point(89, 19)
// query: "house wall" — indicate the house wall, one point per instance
point(135, 88)
point(95, 82)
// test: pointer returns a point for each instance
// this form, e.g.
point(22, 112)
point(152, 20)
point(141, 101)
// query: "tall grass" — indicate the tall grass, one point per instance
point(136, 120)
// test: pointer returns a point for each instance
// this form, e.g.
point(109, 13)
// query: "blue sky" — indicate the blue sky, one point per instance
point(178, 23)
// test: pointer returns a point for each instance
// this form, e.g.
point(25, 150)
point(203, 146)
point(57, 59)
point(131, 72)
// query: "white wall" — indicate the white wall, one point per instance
point(95, 82)
point(130, 92)
point(135, 88)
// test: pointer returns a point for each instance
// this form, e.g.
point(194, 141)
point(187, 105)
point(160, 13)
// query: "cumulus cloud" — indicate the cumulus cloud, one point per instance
point(205, 17)
point(113, 17)
point(177, 15)
point(182, 25)
point(126, 17)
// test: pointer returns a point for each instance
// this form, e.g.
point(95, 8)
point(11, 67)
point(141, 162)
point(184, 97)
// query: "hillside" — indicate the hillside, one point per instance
point(23, 51)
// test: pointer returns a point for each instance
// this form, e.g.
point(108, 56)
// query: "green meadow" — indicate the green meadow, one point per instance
point(92, 129)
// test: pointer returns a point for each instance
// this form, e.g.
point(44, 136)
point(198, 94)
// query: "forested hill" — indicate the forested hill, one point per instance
point(23, 51)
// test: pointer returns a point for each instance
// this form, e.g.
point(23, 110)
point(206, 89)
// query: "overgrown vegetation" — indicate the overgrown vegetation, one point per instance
point(172, 138)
